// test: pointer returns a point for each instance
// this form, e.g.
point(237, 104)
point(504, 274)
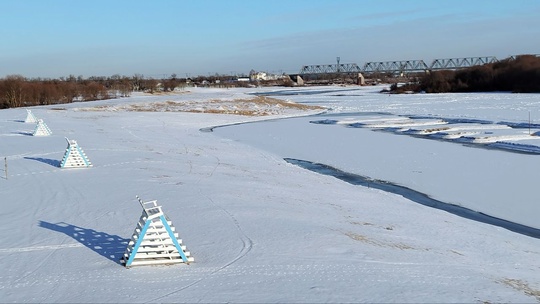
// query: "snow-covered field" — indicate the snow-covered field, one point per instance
point(262, 229)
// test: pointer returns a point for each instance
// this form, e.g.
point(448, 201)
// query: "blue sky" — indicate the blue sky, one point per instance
point(157, 38)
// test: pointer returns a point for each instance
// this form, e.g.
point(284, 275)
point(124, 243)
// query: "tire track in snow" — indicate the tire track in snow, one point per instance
point(95, 166)
point(61, 153)
point(39, 248)
point(247, 244)
point(39, 265)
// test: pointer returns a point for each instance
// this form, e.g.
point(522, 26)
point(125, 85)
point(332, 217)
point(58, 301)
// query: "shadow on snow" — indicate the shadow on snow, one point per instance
point(107, 245)
point(52, 162)
point(24, 133)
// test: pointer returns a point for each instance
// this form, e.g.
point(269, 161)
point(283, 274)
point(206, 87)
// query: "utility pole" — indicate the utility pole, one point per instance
point(5, 166)
point(337, 67)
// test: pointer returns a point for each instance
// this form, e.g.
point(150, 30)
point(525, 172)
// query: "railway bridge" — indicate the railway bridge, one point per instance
point(399, 67)
point(396, 67)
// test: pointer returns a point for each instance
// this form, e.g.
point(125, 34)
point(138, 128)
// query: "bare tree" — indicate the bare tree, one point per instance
point(14, 91)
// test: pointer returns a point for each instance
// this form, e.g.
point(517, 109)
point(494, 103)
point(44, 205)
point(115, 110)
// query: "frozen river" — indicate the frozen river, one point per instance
point(381, 137)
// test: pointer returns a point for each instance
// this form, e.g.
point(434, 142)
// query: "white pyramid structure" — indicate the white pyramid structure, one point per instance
point(30, 117)
point(41, 129)
point(74, 157)
point(155, 240)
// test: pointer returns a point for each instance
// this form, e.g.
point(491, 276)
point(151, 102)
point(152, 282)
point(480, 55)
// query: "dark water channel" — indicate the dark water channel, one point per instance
point(415, 196)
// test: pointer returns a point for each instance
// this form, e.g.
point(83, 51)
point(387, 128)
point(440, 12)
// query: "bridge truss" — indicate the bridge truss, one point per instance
point(395, 66)
point(459, 63)
point(331, 68)
point(398, 67)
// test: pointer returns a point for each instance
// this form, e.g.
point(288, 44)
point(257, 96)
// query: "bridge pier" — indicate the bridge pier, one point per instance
point(360, 79)
point(299, 81)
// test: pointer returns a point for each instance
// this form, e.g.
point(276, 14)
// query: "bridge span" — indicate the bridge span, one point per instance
point(398, 67)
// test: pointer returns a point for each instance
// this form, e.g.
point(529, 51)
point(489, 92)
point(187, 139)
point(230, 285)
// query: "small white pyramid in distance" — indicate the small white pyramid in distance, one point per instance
point(155, 240)
point(74, 157)
point(30, 117)
point(41, 129)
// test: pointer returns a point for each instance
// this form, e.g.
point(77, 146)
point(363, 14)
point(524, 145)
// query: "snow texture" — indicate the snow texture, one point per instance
point(262, 229)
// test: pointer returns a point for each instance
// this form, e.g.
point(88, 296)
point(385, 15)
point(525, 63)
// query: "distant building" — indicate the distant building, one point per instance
point(257, 76)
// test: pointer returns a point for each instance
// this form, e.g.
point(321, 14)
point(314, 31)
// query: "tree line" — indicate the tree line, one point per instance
point(519, 75)
point(18, 91)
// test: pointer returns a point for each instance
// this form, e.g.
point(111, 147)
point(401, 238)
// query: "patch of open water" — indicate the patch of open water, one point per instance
point(413, 195)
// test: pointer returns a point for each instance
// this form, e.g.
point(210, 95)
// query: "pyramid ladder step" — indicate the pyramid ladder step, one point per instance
point(146, 255)
point(170, 248)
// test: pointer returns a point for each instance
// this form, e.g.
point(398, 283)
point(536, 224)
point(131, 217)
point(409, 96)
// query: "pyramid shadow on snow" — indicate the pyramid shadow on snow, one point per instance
point(107, 245)
point(52, 162)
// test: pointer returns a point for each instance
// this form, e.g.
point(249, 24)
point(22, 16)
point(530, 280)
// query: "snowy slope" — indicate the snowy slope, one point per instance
point(260, 229)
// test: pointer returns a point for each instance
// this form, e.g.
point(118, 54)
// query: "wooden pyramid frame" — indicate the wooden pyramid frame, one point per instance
point(74, 157)
point(30, 117)
point(155, 240)
point(41, 129)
